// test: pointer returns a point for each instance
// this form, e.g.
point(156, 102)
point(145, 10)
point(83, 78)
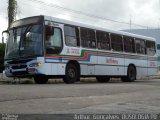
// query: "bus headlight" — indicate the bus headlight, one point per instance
point(38, 64)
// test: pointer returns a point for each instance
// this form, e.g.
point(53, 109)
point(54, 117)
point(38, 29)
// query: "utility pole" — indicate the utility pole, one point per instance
point(12, 11)
point(130, 23)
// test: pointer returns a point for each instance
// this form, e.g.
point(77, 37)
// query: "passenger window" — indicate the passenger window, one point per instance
point(88, 38)
point(151, 48)
point(158, 46)
point(71, 36)
point(53, 40)
point(129, 45)
point(116, 42)
point(103, 40)
point(140, 46)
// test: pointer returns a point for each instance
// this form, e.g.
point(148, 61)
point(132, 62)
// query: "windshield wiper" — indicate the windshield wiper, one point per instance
point(29, 56)
point(12, 58)
point(20, 58)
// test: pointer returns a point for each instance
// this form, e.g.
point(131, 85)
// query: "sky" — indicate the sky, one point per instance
point(144, 13)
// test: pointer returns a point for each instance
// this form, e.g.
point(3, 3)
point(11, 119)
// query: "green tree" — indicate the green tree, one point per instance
point(2, 53)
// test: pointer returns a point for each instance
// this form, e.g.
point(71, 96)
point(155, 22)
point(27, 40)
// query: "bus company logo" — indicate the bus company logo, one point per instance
point(112, 61)
point(152, 64)
point(75, 51)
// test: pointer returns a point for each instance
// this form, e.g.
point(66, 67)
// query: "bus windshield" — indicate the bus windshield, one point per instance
point(24, 42)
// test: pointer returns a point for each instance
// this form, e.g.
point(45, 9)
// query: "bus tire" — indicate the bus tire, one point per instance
point(71, 75)
point(103, 79)
point(131, 74)
point(40, 79)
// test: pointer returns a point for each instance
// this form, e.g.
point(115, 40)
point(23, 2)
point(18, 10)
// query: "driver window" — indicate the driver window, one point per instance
point(53, 40)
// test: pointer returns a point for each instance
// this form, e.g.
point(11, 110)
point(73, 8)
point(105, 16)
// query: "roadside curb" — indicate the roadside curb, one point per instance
point(4, 78)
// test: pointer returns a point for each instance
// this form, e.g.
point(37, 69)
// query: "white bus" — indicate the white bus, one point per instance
point(45, 47)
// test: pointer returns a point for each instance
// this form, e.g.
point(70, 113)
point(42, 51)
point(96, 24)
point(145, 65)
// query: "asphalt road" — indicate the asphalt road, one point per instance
point(142, 96)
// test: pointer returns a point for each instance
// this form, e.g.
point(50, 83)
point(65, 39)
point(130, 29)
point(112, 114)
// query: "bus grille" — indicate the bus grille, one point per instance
point(19, 66)
point(22, 73)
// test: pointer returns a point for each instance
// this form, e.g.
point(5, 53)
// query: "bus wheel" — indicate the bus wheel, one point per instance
point(103, 79)
point(41, 79)
point(71, 75)
point(131, 75)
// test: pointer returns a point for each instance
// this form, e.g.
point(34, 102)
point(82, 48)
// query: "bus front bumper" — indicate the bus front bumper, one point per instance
point(21, 72)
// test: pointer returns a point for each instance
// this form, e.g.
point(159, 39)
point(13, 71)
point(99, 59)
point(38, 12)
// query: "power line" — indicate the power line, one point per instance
point(57, 11)
point(82, 13)
point(75, 11)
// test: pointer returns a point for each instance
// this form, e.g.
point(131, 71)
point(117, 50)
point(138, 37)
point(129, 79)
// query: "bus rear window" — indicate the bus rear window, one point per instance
point(151, 48)
point(140, 46)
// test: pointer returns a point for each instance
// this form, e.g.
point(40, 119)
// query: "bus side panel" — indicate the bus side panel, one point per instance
point(152, 65)
point(109, 70)
point(46, 69)
point(152, 71)
point(88, 61)
point(140, 62)
point(84, 69)
point(61, 69)
point(109, 64)
point(87, 58)
point(141, 72)
point(53, 69)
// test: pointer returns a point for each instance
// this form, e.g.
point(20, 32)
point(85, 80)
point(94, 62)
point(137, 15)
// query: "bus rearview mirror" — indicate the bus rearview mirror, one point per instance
point(7, 33)
point(51, 31)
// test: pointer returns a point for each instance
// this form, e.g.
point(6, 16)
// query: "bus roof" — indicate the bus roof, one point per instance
point(63, 21)
point(49, 18)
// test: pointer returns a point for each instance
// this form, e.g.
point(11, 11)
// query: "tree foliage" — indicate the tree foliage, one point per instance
point(2, 53)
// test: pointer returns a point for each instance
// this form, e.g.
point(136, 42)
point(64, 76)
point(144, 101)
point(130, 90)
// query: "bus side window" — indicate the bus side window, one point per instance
point(71, 36)
point(158, 46)
point(116, 42)
point(53, 40)
point(140, 46)
point(103, 40)
point(88, 38)
point(129, 45)
point(151, 48)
